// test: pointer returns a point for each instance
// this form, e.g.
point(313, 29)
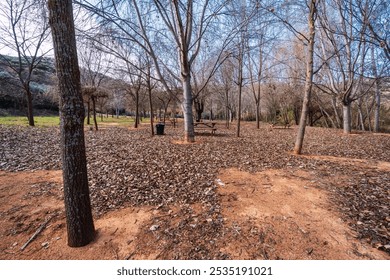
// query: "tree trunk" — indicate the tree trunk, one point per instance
point(189, 133)
point(151, 111)
point(199, 108)
point(360, 116)
point(89, 111)
point(309, 80)
point(94, 111)
point(227, 109)
point(30, 114)
point(80, 227)
point(136, 109)
point(377, 94)
point(239, 110)
point(347, 118)
point(240, 78)
point(377, 108)
point(258, 114)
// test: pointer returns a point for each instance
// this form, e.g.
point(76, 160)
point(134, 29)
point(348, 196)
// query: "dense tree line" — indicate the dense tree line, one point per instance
point(223, 59)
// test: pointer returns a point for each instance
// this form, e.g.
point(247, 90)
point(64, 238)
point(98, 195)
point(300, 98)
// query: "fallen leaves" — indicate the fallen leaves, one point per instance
point(128, 167)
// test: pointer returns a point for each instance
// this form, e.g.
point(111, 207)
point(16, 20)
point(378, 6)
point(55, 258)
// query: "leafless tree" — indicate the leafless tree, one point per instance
point(23, 31)
point(95, 65)
point(153, 24)
point(312, 15)
point(344, 44)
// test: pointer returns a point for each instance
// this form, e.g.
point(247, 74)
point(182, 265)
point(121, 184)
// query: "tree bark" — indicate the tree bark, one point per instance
point(347, 118)
point(239, 96)
point(377, 93)
point(80, 227)
point(150, 101)
point(309, 80)
point(377, 107)
point(136, 109)
point(30, 114)
point(89, 111)
point(189, 133)
point(360, 115)
point(94, 111)
point(257, 115)
point(227, 109)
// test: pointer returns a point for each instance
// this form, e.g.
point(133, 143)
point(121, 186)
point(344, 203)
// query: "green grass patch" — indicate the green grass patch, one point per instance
point(45, 121)
point(49, 121)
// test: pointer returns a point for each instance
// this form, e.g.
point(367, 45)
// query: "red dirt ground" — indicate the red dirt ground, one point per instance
point(296, 218)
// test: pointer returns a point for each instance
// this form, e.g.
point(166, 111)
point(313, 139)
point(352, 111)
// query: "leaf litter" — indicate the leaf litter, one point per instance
point(128, 168)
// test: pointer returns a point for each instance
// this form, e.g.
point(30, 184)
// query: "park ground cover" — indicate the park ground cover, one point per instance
point(220, 198)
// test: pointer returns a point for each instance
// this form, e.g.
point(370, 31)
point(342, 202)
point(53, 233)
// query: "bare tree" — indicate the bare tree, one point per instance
point(309, 76)
point(342, 46)
point(95, 65)
point(23, 32)
point(79, 220)
point(225, 81)
point(153, 24)
point(377, 91)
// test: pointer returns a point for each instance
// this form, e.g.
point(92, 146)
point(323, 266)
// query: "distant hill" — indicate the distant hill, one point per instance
point(12, 98)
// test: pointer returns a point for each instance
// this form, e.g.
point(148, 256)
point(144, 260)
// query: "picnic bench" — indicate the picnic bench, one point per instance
point(210, 125)
point(281, 126)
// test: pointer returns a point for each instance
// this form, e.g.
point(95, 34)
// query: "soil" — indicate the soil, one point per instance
point(282, 207)
point(221, 197)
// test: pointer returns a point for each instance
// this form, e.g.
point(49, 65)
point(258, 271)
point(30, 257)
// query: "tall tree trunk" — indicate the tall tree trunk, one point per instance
point(258, 114)
point(80, 227)
point(94, 111)
point(377, 93)
point(136, 109)
point(227, 108)
point(377, 107)
point(199, 108)
point(240, 78)
point(30, 114)
point(239, 111)
point(309, 80)
point(347, 118)
point(151, 111)
point(89, 111)
point(189, 133)
point(361, 117)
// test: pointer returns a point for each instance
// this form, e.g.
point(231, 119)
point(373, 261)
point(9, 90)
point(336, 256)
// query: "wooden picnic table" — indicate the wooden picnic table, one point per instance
point(209, 125)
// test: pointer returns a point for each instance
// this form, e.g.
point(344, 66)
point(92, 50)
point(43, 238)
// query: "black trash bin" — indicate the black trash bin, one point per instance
point(160, 128)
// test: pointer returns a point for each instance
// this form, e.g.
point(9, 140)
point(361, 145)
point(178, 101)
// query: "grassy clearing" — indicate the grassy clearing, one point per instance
point(48, 121)
point(45, 121)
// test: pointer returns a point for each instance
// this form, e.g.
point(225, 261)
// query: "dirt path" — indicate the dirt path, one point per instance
point(272, 214)
point(295, 216)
